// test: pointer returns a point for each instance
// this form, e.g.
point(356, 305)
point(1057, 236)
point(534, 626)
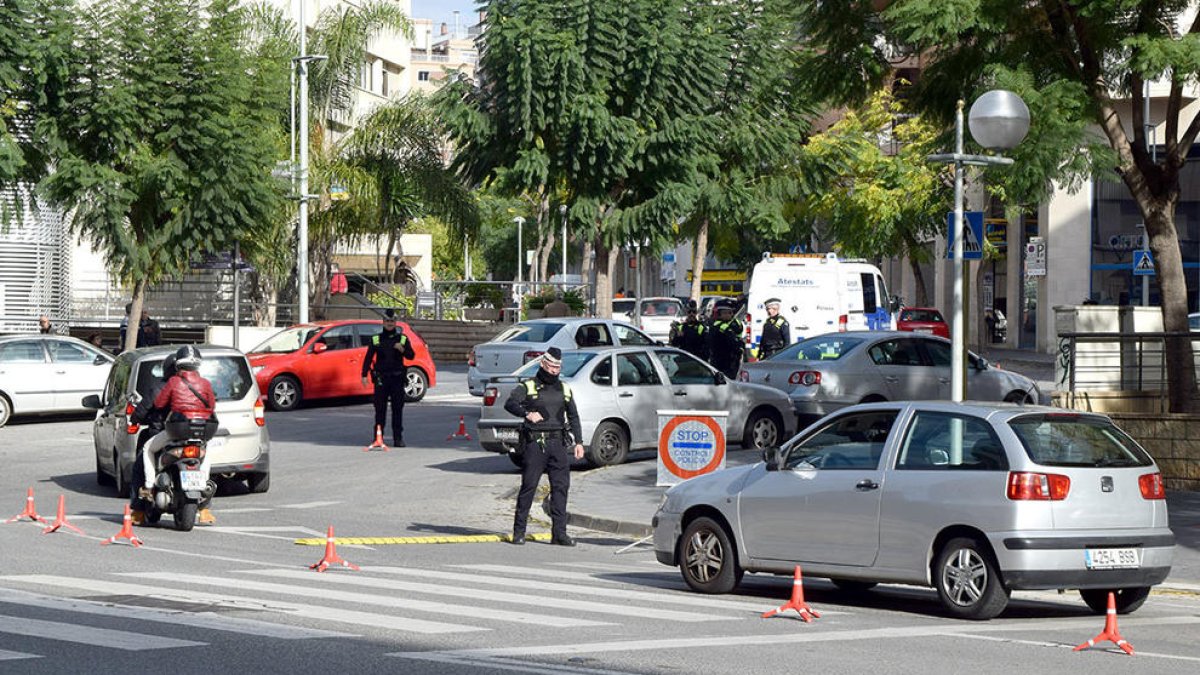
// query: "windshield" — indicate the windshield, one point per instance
point(823, 348)
point(229, 376)
point(666, 308)
point(530, 332)
point(572, 362)
point(287, 341)
point(1071, 440)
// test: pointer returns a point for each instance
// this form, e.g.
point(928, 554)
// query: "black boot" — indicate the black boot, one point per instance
point(562, 540)
point(518, 538)
point(398, 442)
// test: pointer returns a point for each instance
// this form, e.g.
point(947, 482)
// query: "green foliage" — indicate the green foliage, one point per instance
point(483, 295)
point(382, 299)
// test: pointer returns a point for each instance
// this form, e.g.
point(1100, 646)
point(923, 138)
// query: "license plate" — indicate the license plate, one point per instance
point(506, 435)
point(193, 481)
point(924, 330)
point(1112, 558)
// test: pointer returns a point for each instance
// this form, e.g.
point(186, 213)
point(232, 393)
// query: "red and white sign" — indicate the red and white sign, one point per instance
point(690, 443)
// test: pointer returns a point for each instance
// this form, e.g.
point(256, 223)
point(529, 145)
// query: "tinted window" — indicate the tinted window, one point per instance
point(572, 362)
point(939, 352)
point(22, 351)
point(635, 369)
point(851, 442)
point(602, 374)
point(593, 335)
point(896, 353)
point(931, 315)
point(628, 336)
point(1068, 440)
point(229, 376)
point(940, 441)
point(870, 300)
point(623, 306)
point(530, 332)
point(685, 368)
point(339, 337)
point(824, 348)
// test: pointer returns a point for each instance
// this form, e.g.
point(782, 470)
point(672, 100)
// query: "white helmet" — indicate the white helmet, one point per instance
point(187, 357)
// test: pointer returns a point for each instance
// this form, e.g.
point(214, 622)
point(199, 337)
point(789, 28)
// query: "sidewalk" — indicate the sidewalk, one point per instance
point(622, 500)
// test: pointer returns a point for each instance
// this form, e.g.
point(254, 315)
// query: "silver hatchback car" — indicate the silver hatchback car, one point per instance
point(976, 500)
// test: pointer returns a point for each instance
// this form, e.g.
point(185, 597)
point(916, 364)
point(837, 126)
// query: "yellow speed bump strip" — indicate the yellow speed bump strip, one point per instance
point(452, 539)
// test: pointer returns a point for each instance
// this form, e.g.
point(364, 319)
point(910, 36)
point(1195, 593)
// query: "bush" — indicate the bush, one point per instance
point(483, 295)
point(403, 303)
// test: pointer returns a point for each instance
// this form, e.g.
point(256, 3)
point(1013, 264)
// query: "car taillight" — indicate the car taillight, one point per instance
point(807, 378)
point(1028, 486)
point(130, 427)
point(489, 396)
point(260, 417)
point(471, 357)
point(743, 376)
point(843, 322)
point(531, 355)
point(191, 452)
point(1151, 486)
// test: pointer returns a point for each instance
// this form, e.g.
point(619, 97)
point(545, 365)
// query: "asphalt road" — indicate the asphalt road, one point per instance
point(238, 597)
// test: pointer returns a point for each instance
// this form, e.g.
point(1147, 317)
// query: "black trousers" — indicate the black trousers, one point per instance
point(390, 386)
point(555, 460)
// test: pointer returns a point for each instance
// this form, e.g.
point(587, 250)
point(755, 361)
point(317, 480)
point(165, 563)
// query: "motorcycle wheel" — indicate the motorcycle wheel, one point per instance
point(185, 516)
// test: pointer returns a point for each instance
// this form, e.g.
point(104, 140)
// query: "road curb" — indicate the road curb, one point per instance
point(609, 525)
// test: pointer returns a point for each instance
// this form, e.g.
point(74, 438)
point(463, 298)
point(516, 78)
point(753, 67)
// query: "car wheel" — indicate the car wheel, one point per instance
point(1018, 397)
point(1127, 599)
point(119, 477)
point(416, 386)
point(854, 585)
point(284, 393)
point(258, 482)
point(967, 581)
point(101, 477)
point(5, 410)
point(707, 558)
point(609, 446)
point(764, 429)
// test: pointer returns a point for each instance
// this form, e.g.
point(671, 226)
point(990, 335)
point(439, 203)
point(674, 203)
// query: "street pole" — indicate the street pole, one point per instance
point(302, 228)
point(237, 292)
point(562, 209)
point(958, 382)
point(520, 256)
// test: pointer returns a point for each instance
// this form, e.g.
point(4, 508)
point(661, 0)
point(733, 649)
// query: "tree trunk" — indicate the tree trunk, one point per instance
point(135, 314)
point(922, 299)
point(544, 254)
point(264, 299)
point(605, 261)
point(320, 258)
point(1168, 263)
point(699, 252)
point(586, 265)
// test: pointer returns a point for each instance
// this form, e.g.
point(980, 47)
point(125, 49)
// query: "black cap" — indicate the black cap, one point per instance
point(691, 304)
point(389, 314)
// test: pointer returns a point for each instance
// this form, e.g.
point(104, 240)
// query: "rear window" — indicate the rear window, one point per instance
point(530, 332)
point(229, 376)
point(660, 308)
point(572, 362)
point(929, 315)
point(824, 348)
point(1068, 440)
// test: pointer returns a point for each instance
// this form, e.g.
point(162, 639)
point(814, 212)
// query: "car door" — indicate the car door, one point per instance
point(907, 373)
point(593, 335)
point(692, 382)
point(25, 375)
point(940, 356)
point(327, 373)
point(77, 370)
point(822, 505)
point(641, 393)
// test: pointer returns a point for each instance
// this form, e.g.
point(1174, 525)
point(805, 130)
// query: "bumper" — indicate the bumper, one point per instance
point(476, 381)
point(1032, 561)
point(497, 437)
point(667, 530)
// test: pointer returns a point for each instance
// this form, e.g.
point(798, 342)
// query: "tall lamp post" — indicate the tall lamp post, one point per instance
point(562, 210)
point(999, 120)
point(520, 221)
point(301, 63)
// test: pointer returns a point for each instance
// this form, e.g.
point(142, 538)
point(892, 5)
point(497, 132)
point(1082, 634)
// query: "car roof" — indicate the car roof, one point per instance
point(1001, 411)
point(146, 353)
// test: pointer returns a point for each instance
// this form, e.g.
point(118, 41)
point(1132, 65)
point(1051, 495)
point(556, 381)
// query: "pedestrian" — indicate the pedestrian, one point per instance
point(556, 307)
point(550, 425)
point(776, 332)
point(96, 340)
point(44, 326)
point(725, 341)
point(620, 293)
point(691, 334)
point(149, 332)
point(385, 363)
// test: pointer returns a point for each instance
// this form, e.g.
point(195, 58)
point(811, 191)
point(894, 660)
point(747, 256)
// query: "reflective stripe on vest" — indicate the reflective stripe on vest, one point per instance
point(375, 339)
point(532, 389)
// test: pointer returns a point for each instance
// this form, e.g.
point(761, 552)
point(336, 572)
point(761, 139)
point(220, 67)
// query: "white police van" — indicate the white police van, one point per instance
point(819, 293)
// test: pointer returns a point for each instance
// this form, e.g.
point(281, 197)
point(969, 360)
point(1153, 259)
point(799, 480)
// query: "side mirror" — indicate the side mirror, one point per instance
point(92, 402)
point(99, 361)
point(895, 303)
point(320, 347)
point(981, 363)
point(773, 457)
point(719, 378)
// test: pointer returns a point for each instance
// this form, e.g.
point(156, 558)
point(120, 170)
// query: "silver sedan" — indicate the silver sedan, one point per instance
point(618, 392)
point(975, 500)
point(826, 373)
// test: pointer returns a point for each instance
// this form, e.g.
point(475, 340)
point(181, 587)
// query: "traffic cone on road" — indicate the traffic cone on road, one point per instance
point(797, 602)
point(331, 557)
point(125, 533)
point(1110, 633)
point(61, 519)
point(462, 431)
point(30, 512)
point(378, 443)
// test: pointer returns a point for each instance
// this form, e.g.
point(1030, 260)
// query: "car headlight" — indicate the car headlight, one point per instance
point(671, 502)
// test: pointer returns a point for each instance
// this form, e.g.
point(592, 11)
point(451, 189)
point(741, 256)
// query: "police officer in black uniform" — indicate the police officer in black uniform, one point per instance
point(725, 344)
point(385, 361)
point(545, 404)
point(691, 334)
point(776, 331)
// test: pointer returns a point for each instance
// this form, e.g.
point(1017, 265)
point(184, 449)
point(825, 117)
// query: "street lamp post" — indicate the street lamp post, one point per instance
point(999, 120)
point(520, 221)
point(562, 210)
point(301, 62)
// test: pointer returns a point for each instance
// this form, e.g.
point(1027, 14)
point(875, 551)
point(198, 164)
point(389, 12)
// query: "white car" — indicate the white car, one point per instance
point(655, 316)
point(48, 374)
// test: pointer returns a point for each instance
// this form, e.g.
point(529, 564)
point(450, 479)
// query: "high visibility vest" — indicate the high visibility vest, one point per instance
point(532, 389)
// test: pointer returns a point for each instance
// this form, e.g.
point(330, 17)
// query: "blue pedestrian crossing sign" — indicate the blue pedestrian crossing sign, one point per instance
point(1143, 263)
point(973, 239)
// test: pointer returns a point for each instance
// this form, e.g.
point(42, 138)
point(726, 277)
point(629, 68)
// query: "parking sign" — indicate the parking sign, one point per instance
point(1035, 257)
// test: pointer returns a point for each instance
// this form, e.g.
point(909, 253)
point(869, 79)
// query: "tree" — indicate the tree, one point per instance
point(1078, 59)
point(161, 153)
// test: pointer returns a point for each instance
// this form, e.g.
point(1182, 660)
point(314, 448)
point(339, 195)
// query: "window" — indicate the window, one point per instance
point(939, 353)
point(1073, 440)
point(636, 369)
point(685, 368)
point(629, 336)
point(22, 351)
point(117, 381)
point(572, 363)
point(339, 337)
point(229, 376)
point(870, 299)
point(287, 341)
point(530, 332)
point(896, 353)
point(602, 375)
point(927, 315)
point(854, 441)
point(68, 352)
point(593, 335)
point(946, 442)
point(824, 348)
point(422, 76)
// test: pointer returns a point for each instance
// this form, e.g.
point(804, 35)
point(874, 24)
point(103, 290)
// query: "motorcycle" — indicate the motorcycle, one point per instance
point(181, 481)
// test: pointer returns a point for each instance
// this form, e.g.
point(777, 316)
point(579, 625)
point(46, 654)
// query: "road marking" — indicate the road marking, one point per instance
point(6, 655)
point(308, 505)
point(689, 598)
point(456, 398)
point(365, 598)
point(537, 600)
point(89, 635)
point(320, 613)
point(441, 539)
point(1063, 645)
point(498, 663)
point(244, 509)
point(207, 620)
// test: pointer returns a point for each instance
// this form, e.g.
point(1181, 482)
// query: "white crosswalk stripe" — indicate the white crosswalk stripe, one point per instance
point(89, 635)
point(6, 655)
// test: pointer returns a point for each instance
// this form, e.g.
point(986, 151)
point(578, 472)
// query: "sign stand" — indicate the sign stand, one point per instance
point(690, 443)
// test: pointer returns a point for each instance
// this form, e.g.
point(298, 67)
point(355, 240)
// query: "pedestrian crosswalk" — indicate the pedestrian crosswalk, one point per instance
point(136, 611)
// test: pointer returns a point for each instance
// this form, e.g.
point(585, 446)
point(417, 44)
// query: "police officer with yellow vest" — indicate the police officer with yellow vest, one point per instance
point(776, 331)
point(691, 334)
point(551, 424)
point(385, 361)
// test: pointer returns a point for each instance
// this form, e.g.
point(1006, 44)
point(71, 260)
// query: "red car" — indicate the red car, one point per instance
point(923, 320)
point(324, 359)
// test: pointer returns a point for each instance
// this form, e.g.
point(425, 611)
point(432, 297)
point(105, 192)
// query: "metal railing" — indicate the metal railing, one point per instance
point(1116, 361)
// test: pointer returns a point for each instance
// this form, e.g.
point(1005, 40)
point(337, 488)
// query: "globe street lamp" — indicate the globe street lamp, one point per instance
point(999, 120)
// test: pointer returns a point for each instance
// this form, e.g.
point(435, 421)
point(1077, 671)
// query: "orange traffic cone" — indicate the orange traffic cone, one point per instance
point(378, 443)
point(331, 557)
point(61, 519)
point(797, 602)
point(462, 431)
point(125, 533)
point(1110, 630)
point(30, 512)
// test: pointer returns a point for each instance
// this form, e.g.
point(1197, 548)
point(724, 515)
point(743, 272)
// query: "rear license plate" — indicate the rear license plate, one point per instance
point(924, 330)
point(193, 481)
point(1112, 558)
point(506, 435)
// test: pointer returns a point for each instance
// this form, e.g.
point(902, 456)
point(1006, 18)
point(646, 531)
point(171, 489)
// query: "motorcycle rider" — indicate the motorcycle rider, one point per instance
point(186, 394)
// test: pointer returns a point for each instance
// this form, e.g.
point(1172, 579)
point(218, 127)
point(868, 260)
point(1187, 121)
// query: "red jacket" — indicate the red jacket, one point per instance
point(176, 396)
